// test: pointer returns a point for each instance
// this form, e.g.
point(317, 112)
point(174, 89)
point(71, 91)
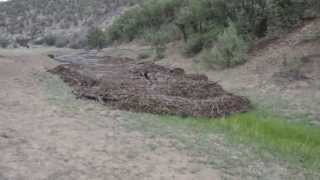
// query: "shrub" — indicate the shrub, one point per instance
point(78, 40)
point(51, 56)
point(50, 40)
point(193, 45)
point(61, 41)
point(143, 55)
point(229, 51)
point(4, 42)
point(285, 13)
point(150, 15)
point(23, 41)
point(197, 42)
point(158, 40)
point(97, 38)
point(198, 22)
point(125, 28)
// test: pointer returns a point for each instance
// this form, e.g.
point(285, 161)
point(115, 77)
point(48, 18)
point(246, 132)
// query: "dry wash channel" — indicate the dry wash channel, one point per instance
point(147, 87)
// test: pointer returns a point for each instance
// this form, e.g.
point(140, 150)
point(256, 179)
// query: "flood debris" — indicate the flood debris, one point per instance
point(147, 87)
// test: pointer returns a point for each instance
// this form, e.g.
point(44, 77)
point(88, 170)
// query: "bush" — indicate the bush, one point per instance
point(23, 41)
point(143, 55)
point(158, 40)
point(97, 38)
point(229, 51)
point(193, 45)
point(61, 41)
point(285, 14)
point(197, 42)
point(150, 15)
point(51, 56)
point(198, 22)
point(4, 42)
point(50, 40)
point(78, 40)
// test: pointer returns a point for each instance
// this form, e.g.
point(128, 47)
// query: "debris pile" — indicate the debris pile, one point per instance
point(147, 87)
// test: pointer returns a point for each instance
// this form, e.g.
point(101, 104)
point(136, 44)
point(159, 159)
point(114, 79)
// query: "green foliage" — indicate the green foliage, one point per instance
point(229, 51)
point(197, 42)
point(296, 142)
point(194, 45)
point(286, 13)
point(152, 14)
point(125, 28)
point(61, 41)
point(200, 21)
point(158, 40)
point(143, 55)
point(4, 42)
point(51, 56)
point(50, 40)
point(292, 140)
point(255, 17)
point(97, 38)
point(23, 41)
point(53, 40)
point(78, 41)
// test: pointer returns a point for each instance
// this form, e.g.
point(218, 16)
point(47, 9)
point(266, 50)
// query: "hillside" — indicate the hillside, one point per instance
point(170, 89)
point(67, 21)
point(281, 75)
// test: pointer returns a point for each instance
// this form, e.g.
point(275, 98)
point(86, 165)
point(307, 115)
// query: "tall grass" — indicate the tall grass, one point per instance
point(292, 141)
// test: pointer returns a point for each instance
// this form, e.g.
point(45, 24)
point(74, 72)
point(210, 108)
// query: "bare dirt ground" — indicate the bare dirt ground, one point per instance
point(47, 134)
point(39, 140)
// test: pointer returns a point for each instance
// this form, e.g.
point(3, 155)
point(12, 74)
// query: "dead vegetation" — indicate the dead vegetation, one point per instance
point(146, 87)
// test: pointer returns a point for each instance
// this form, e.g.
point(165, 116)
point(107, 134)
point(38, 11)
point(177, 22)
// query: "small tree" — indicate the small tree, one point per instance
point(229, 51)
point(97, 38)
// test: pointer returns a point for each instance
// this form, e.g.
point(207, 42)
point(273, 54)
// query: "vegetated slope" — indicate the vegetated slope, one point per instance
point(35, 19)
point(282, 74)
point(220, 29)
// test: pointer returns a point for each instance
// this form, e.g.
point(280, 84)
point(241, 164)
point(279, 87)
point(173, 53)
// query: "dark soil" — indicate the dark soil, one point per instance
point(146, 87)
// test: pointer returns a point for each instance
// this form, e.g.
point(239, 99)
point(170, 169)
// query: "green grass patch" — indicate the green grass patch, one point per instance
point(296, 142)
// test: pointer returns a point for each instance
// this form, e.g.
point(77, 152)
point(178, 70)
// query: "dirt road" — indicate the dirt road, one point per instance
point(47, 134)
